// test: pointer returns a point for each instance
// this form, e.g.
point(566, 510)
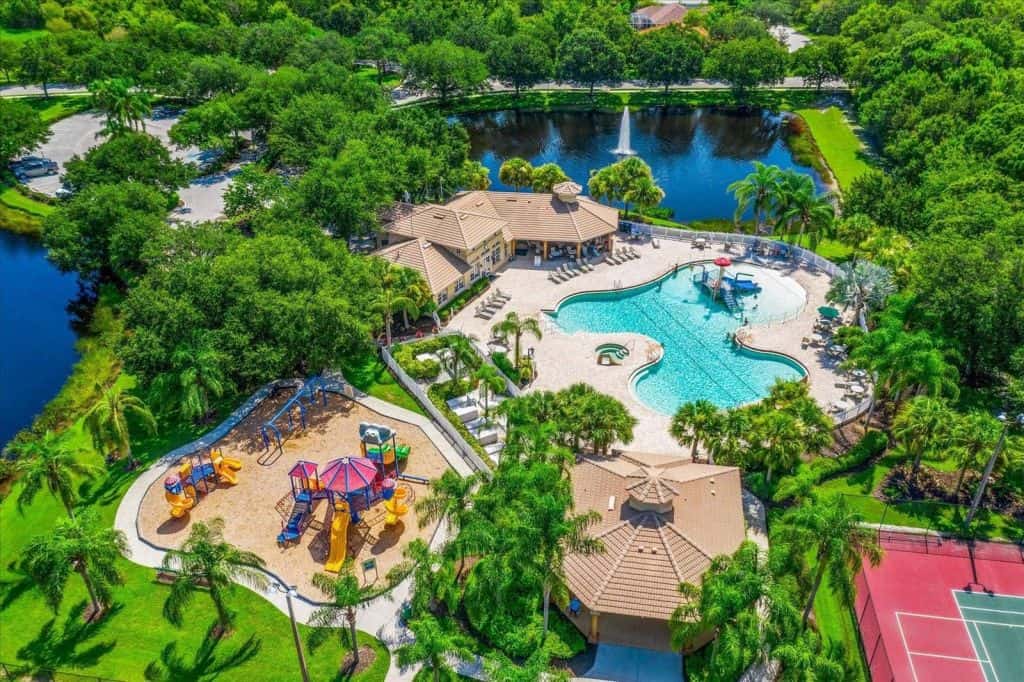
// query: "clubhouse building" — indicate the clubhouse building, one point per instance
point(478, 232)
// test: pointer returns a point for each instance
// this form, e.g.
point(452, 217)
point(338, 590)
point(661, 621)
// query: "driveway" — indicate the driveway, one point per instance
point(633, 664)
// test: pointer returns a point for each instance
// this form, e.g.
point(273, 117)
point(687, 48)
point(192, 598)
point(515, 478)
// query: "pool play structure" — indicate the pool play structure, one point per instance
point(685, 311)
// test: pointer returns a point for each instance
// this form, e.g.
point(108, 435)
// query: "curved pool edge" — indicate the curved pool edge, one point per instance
point(778, 355)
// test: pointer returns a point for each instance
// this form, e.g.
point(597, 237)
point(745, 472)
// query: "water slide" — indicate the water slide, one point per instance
point(339, 538)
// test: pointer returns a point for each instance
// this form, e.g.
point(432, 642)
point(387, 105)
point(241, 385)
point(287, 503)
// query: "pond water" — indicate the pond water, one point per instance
point(694, 153)
point(37, 341)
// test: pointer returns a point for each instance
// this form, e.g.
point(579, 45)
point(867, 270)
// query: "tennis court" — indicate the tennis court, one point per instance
point(943, 610)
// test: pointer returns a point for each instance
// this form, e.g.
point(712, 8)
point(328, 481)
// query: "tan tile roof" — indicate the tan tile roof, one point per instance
point(439, 268)
point(457, 227)
point(544, 217)
point(663, 14)
point(704, 520)
point(639, 572)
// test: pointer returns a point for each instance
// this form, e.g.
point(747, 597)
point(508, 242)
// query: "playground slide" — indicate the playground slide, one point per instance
point(395, 509)
point(180, 503)
point(339, 542)
point(227, 473)
point(232, 463)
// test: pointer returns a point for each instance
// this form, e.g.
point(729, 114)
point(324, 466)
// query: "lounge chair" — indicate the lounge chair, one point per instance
point(609, 258)
point(572, 270)
point(585, 267)
point(655, 244)
point(633, 252)
point(624, 254)
point(498, 293)
point(554, 277)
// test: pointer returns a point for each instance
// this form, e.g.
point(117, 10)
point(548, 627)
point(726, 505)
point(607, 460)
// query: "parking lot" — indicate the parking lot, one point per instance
point(76, 135)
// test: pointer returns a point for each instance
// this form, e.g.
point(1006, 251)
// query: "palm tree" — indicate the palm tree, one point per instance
point(107, 419)
point(516, 326)
point(77, 545)
point(758, 190)
point(807, 657)
point(450, 497)
point(805, 207)
point(922, 425)
point(545, 177)
point(557, 533)
point(49, 461)
point(346, 595)
point(490, 381)
point(516, 172)
point(777, 442)
point(198, 372)
point(126, 107)
point(457, 357)
point(973, 435)
point(432, 647)
point(853, 231)
point(390, 302)
point(410, 284)
point(839, 539)
point(644, 193)
point(862, 285)
point(206, 560)
point(727, 445)
point(435, 581)
point(604, 420)
point(695, 423)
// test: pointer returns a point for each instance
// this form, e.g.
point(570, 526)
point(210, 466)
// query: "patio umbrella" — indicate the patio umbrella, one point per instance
point(828, 312)
point(348, 474)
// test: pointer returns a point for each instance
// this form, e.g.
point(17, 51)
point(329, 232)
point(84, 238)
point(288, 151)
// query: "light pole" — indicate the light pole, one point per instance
point(976, 502)
point(290, 592)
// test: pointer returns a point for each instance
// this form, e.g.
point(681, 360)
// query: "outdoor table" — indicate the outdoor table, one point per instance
point(859, 373)
point(817, 338)
point(857, 388)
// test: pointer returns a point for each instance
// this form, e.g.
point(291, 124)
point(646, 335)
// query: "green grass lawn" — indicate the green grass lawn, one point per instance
point(369, 73)
point(838, 144)
point(21, 34)
point(836, 624)
point(861, 485)
point(135, 641)
point(369, 374)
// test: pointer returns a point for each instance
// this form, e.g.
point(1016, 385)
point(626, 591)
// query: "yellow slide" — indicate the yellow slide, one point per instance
point(226, 469)
point(180, 503)
point(339, 538)
point(395, 509)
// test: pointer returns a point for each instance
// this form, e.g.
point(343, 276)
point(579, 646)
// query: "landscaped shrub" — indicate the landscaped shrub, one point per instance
point(505, 365)
point(800, 484)
point(420, 370)
point(439, 394)
point(448, 310)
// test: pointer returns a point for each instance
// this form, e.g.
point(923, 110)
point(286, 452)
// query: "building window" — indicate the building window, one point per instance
point(496, 254)
point(460, 285)
point(442, 298)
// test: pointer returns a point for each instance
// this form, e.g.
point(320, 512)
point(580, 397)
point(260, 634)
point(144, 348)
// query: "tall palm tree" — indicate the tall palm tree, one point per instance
point(79, 545)
point(450, 497)
point(644, 193)
point(862, 285)
point(516, 172)
point(759, 190)
point(491, 381)
point(556, 533)
point(49, 461)
point(695, 423)
point(838, 538)
point(776, 438)
point(346, 594)
point(457, 357)
point(516, 327)
point(207, 560)
point(432, 647)
point(125, 106)
point(390, 302)
point(435, 581)
point(922, 425)
point(728, 444)
point(973, 435)
point(604, 420)
point(107, 419)
point(806, 208)
point(197, 372)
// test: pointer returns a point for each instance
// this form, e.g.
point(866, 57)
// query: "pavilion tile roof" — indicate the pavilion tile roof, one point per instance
point(439, 267)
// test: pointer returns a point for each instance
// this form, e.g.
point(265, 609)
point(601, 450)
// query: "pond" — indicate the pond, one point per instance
point(37, 341)
point(694, 153)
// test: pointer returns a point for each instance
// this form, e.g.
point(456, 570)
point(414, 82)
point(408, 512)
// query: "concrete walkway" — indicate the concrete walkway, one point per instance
point(380, 616)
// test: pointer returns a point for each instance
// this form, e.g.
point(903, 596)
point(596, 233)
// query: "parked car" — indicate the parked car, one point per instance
point(34, 167)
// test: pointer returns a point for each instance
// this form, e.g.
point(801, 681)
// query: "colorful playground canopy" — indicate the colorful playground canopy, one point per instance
point(828, 312)
point(303, 469)
point(348, 474)
point(723, 261)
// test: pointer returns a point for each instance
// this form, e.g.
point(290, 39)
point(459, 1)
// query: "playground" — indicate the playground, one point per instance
point(304, 484)
point(942, 609)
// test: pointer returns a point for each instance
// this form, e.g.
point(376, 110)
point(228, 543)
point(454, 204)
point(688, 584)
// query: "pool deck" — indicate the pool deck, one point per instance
point(563, 359)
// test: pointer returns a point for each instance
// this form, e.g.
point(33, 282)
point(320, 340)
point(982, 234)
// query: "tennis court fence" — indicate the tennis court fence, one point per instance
point(872, 644)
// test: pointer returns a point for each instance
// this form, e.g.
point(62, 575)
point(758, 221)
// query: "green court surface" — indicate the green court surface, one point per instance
point(996, 626)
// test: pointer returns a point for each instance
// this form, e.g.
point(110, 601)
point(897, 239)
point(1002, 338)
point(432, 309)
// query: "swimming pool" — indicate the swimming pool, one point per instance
point(700, 360)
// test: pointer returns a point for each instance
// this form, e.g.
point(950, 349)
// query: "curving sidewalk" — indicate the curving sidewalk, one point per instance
point(380, 616)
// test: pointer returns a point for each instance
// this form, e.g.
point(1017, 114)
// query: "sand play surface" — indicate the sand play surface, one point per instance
point(255, 509)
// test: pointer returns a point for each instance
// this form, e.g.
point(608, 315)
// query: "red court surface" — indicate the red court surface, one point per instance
point(911, 611)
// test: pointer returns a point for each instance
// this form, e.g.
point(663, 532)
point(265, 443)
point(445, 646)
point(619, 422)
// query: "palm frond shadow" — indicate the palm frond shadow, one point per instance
point(204, 664)
point(61, 646)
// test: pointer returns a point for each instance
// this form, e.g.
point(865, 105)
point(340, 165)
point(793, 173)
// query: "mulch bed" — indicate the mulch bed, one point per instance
point(366, 658)
point(930, 485)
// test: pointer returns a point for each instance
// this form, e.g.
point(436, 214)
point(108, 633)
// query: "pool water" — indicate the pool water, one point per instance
point(700, 360)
